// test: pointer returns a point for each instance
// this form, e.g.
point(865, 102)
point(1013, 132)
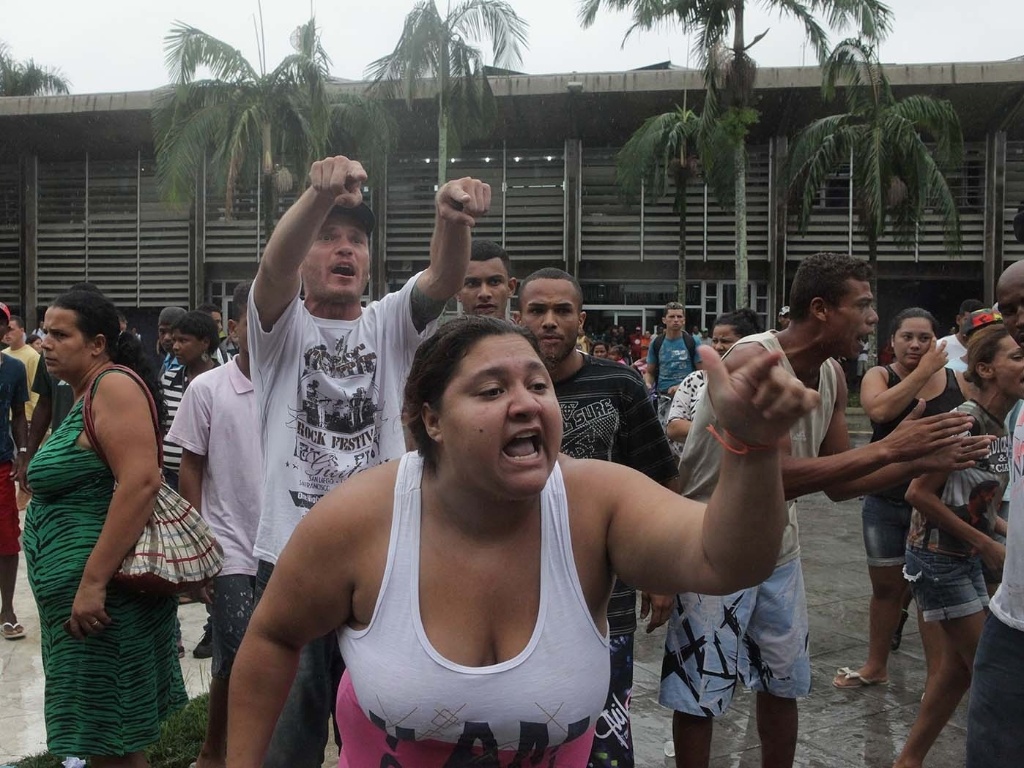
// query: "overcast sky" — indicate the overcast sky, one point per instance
point(117, 45)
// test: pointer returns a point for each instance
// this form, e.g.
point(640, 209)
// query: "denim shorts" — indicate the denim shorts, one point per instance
point(232, 608)
point(886, 523)
point(945, 587)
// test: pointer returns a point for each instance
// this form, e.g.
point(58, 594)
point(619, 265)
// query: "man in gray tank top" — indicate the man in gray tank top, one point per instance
point(760, 635)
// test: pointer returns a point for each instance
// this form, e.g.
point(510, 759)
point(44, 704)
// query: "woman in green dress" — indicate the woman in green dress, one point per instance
point(112, 673)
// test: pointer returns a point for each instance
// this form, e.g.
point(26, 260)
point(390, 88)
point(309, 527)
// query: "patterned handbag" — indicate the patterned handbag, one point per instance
point(177, 552)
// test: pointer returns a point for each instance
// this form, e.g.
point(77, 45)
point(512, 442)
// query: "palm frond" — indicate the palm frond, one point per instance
point(188, 48)
point(804, 13)
point(643, 163)
point(497, 20)
point(415, 56)
point(938, 119)
point(868, 19)
point(816, 153)
point(646, 14)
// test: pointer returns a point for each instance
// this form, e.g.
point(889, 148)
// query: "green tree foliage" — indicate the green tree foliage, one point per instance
point(26, 78)
point(719, 27)
point(663, 147)
point(244, 118)
point(444, 48)
point(901, 150)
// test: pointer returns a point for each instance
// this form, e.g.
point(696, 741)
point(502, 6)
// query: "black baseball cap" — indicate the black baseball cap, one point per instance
point(361, 213)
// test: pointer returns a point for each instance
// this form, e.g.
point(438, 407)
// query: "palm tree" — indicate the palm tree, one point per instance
point(896, 175)
point(443, 48)
point(664, 145)
point(26, 78)
point(730, 74)
point(246, 118)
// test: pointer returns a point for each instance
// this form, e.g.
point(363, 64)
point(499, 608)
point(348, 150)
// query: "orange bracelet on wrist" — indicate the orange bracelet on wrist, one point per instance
point(733, 444)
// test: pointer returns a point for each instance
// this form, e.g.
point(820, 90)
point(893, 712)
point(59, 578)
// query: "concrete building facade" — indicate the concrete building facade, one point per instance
point(78, 198)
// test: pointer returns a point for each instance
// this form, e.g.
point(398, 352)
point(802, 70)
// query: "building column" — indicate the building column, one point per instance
point(197, 241)
point(778, 213)
point(379, 241)
point(995, 200)
point(571, 197)
point(29, 294)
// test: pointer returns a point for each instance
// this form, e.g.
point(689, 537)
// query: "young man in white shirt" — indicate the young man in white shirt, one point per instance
point(216, 428)
point(329, 376)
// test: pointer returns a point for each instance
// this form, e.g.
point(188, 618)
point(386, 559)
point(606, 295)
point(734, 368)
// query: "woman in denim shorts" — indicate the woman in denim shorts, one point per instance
point(955, 516)
point(889, 393)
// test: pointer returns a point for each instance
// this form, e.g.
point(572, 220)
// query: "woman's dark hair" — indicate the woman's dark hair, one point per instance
point(914, 312)
point(744, 320)
point(982, 347)
point(31, 338)
point(96, 316)
point(201, 326)
point(436, 362)
point(597, 344)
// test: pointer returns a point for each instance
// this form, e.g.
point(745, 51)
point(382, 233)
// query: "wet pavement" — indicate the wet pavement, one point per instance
point(838, 729)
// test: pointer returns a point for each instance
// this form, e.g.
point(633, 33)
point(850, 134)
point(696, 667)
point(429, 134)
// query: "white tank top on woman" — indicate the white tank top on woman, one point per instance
point(401, 703)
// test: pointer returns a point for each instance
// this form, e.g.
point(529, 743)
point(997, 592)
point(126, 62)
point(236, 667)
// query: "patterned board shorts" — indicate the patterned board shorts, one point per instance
point(758, 636)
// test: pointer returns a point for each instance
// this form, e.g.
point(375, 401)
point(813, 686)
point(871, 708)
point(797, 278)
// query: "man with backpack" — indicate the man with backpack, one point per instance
point(671, 357)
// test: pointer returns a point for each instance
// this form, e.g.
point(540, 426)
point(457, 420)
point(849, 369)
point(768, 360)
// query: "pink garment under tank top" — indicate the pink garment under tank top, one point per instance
point(402, 704)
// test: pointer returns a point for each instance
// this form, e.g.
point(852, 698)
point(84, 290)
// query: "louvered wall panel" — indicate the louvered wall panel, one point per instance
point(721, 222)
point(610, 224)
point(232, 237)
point(112, 237)
point(62, 227)
point(163, 259)
point(10, 233)
point(829, 227)
point(410, 213)
point(535, 205)
point(661, 224)
point(530, 206)
point(1014, 198)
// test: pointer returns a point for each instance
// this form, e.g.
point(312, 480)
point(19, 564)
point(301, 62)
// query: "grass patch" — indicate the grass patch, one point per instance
point(181, 736)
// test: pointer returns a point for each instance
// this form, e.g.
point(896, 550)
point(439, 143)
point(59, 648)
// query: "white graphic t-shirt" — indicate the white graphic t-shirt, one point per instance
point(1008, 603)
point(329, 403)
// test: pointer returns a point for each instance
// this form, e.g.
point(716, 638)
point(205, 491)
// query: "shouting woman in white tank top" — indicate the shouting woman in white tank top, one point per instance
point(469, 581)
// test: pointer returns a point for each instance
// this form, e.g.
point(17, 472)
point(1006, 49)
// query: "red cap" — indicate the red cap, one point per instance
point(5, 312)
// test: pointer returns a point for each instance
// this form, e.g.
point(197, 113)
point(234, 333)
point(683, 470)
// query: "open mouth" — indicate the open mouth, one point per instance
point(524, 446)
point(344, 270)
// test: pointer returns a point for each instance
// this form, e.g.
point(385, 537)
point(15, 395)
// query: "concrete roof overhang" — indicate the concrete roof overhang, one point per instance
point(601, 108)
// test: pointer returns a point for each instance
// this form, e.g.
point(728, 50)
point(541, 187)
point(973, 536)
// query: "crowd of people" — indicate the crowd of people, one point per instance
point(438, 549)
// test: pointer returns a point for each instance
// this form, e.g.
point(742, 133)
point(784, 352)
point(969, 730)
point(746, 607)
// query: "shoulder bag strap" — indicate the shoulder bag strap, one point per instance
point(89, 424)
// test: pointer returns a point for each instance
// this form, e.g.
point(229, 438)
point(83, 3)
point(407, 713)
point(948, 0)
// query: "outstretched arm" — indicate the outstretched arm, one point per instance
point(332, 181)
point(458, 205)
point(666, 543)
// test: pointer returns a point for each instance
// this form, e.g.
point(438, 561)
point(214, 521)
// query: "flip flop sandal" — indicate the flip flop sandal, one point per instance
point(851, 678)
point(12, 631)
